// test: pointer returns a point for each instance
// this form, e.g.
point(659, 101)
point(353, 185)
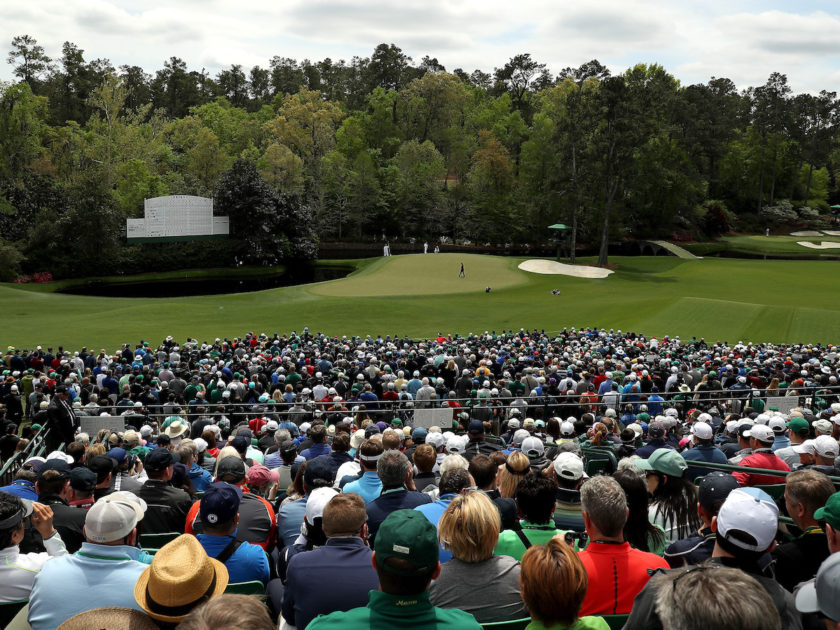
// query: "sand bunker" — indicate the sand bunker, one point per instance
point(806, 233)
point(551, 267)
point(831, 232)
point(823, 245)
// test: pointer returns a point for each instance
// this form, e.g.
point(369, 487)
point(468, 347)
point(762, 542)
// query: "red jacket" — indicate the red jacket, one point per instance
point(762, 458)
point(617, 573)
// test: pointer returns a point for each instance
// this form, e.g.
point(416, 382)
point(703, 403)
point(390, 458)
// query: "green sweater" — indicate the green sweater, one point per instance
point(386, 611)
point(510, 544)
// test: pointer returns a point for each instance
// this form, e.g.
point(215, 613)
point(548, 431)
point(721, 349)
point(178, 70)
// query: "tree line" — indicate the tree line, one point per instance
point(383, 147)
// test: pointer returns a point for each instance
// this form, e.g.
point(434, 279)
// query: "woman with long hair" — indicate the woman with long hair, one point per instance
point(599, 436)
point(638, 530)
point(512, 472)
point(674, 499)
point(773, 388)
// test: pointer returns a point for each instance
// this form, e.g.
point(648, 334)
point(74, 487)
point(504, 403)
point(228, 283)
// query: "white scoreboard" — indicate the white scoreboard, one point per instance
point(177, 217)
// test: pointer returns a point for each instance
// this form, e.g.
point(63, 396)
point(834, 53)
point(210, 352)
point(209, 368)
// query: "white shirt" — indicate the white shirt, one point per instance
point(18, 570)
point(347, 468)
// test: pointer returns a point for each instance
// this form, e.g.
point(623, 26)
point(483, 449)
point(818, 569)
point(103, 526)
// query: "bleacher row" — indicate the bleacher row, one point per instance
point(596, 461)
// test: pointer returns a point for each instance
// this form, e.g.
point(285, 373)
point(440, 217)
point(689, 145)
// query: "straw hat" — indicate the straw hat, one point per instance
point(181, 577)
point(110, 618)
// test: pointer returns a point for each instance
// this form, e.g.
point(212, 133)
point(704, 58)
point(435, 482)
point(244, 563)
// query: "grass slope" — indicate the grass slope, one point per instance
point(720, 299)
point(760, 245)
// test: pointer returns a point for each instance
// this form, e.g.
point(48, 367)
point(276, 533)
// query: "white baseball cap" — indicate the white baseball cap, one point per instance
point(568, 466)
point(114, 516)
point(702, 430)
point(518, 436)
point(808, 446)
point(778, 424)
point(533, 447)
point(823, 427)
point(318, 499)
point(454, 444)
point(826, 446)
point(60, 455)
point(760, 432)
point(435, 438)
point(748, 511)
point(567, 428)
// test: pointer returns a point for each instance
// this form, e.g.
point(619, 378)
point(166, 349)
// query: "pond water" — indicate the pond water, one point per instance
point(215, 285)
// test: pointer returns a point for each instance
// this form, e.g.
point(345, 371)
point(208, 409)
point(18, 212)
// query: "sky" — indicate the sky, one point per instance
point(743, 40)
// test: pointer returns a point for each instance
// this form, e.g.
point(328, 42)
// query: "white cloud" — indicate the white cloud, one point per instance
point(694, 40)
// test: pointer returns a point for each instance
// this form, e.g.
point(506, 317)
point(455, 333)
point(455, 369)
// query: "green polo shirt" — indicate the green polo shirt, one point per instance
point(386, 611)
point(581, 623)
point(510, 544)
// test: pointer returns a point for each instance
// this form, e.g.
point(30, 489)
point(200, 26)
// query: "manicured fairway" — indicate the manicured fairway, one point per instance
point(781, 246)
point(417, 295)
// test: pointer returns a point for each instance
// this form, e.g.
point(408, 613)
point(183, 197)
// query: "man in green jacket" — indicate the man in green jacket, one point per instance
point(406, 560)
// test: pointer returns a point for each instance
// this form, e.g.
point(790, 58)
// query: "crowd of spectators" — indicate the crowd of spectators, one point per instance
point(566, 478)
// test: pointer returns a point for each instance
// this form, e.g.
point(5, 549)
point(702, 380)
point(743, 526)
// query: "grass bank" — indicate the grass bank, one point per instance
point(417, 295)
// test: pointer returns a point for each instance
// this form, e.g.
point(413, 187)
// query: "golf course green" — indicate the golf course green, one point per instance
point(421, 295)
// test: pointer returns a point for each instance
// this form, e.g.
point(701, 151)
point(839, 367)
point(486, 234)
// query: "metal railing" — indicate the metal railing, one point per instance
point(542, 407)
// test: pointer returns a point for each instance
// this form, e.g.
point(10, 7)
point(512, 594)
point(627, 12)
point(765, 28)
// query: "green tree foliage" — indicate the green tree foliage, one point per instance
point(383, 146)
point(29, 59)
point(267, 227)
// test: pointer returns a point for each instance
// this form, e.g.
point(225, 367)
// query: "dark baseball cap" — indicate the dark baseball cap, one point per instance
point(407, 535)
point(241, 443)
point(318, 468)
point(656, 430)
point(58, 465)
point(102, 466)
point(288, 447)
point(82, 479)
point(220, 503)
point(476, 427)
point(117, 454)
point(231, 467)
point(713, 490)
point(159, 459)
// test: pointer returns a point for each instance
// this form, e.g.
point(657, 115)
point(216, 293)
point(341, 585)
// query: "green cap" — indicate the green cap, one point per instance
point(830, 513)
point(408, 535)
point(666, 461)
point(797, 424)
point(396, 421)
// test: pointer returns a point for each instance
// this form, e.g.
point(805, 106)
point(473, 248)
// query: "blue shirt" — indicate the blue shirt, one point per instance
point(367, 486)
point(391, 501)
point(200, 478)
point(780, 441)
point(433, 512)
point(337, 576)
point(702, 453)
point(645, 451)
point(316, 450)
point(247, 563)
point(93, 577)
point(289, 520)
